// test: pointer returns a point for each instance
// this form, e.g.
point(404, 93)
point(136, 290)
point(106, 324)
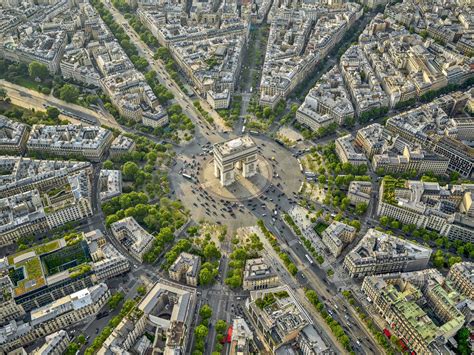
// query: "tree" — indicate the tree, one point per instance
point(361, 208)
point(355, 224)
point(205, 277)
point(108, 164)
point(69, 93)
point(211, 252)
point(462, 338)
point(52, 112)
point(115, 299)
point(395, 225)
point(72, 349)
point(384, 220)
point(201, 331)
point(438, 259)
point(267, 111)
point(292, 269)
point(129, 170)
point(205, 312)
point(3, 94)
point(141, 290)
point(221, 326)
point(81, 339)
point(454, 260)
point(234, 281)
point(38, 70)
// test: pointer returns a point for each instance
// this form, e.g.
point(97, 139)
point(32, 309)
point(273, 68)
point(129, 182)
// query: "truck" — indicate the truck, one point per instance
point(189, 177)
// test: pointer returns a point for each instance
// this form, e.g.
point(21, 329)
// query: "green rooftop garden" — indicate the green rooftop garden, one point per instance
point(28, 274)
point(320, 227)
point(66, 258)
point(270, 299)
point(79, 270)
point(390, 184)
point(38, 249)
point(266, 301)
point(31, 276)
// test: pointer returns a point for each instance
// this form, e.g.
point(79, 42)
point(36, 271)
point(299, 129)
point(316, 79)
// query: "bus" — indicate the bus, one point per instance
point(243, 129)
point(309, 259)
point(255, 133)
point(189, 177)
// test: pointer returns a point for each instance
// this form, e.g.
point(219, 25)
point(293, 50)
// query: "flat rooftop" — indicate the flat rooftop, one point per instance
point(236, 145)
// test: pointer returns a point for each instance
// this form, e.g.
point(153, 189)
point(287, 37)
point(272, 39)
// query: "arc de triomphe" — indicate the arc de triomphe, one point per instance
point(239, 152)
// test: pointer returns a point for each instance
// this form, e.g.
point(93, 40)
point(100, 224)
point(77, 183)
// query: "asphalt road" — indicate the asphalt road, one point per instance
point(32, 99)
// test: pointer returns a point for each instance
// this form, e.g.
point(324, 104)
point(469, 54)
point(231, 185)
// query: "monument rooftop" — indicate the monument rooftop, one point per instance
point(236, 145)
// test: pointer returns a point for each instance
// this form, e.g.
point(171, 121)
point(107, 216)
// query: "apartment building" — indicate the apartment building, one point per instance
point(359, 192)
point(60, 314)
point(423, 126)
point(326, 103)
point(9, 309)
point(461, 156)
point(155, 119)
point(110, 184)
point(420, 308)
point(380, 253)
point(132, 95)
point(76, 62)
point(30, 212)
point(411, 160)
point(259, 275)
point(45, 47)
point(90, 142)
point(460, 128)
point(310, 342)
point(347, 153)
point(364, 87)
point(429, 205)
point(121, 145)
point(297, 42)
point(56, 344)
point(241, 337)
point(207, 45)
point(402, 62)
point(134, 238)
point(13, 136)
point(281, 319)
point(186, 268)
point(108, 262)
point(461, 276)
point(22, 214)
point(371, 139)
point(22, 174)
point(218, 100)
point(336, 235)
point(175, 331)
